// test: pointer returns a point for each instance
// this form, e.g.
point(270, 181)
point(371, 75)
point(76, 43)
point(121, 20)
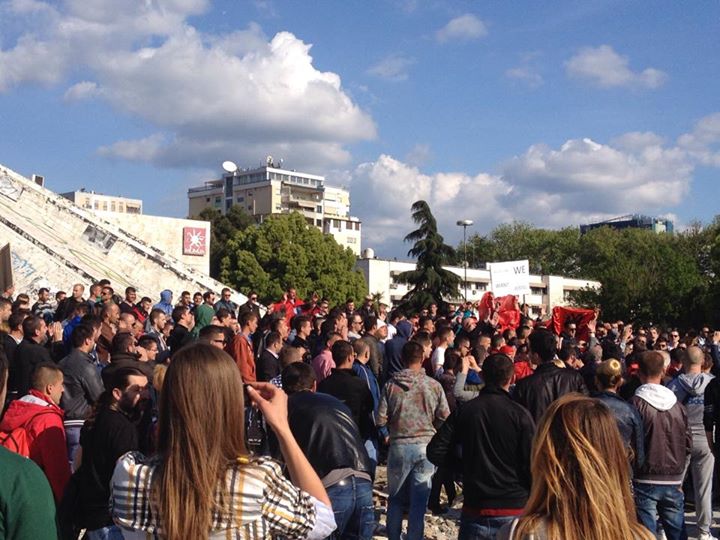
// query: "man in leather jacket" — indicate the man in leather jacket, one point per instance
point(325, 430)
point(549, 382)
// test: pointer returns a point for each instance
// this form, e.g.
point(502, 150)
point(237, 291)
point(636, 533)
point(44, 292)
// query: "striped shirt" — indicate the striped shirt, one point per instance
point(262, 503)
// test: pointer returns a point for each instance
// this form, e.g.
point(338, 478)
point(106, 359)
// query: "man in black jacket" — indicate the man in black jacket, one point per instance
point(495, 434)
point(83, 384)
point(33, 351)
point(268, 365)
point(108, 435)
point(330, 440)
point(549, 382)
point(180, 334)
point(348, 387)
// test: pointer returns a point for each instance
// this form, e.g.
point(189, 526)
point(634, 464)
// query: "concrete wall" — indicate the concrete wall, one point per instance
point(165, 234)
point(72, 244)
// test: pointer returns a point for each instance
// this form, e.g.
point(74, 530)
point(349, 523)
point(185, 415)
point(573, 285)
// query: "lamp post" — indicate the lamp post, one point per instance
point(465, 223)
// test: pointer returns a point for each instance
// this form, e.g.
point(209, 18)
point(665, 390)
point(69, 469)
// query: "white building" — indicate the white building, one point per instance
point(104, 203)
point(272, 190)
point(546, 292)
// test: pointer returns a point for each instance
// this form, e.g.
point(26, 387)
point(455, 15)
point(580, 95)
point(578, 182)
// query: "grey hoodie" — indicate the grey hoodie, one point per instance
point(689, 388)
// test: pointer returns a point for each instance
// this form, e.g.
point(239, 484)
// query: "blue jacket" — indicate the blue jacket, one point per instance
point(393, 350)
point(368, 376)
point(629, 423)
point(165, 302)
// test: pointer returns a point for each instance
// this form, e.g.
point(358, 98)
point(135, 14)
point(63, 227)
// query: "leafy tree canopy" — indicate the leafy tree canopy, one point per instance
point(222, 228)
point(285, 251)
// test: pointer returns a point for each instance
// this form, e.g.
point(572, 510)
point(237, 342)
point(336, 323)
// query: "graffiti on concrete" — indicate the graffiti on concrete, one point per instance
point(8, 188)
point(102, 240)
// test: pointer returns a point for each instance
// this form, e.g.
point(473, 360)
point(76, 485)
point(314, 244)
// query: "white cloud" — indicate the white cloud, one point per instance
point(463, 28)
point(703, 142)
point(383, 191)
point(606, 68)
point(419, 155)
point(526, 74)
point(393, 68)
point(579, 182)
point(209, 97)
point(80, 91)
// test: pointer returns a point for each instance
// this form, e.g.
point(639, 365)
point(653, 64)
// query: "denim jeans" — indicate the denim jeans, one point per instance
point(668, 502)
point(481, 528)
point(409, 480)
point(111, 532)
point(372, 450)
point(352, 505)
point(72, 436)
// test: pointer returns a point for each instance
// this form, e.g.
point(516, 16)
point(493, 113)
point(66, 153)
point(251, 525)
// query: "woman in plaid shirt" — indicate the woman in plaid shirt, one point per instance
point(203, 483)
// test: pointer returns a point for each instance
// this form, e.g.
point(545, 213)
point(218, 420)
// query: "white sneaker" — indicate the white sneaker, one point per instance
point(661, 535)
point(706, 536)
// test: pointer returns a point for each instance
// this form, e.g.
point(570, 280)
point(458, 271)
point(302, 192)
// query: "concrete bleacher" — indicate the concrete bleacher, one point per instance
point(55, 243)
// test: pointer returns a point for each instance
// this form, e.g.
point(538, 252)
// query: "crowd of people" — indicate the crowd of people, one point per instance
point(198, 418)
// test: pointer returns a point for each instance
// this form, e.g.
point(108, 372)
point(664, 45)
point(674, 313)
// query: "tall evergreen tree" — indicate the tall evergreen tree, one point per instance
point(429, 282)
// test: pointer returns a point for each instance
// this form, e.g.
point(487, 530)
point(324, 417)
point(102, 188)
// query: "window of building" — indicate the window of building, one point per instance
point(357, 225)
point(336, 223)
point(105, 206)
point(538, 290)
point(348, 225)
point(318, 209)
point(240, 198)
point(351, 240)
point(112, 206)
point(318, 222)
point(218, 200)
point(207, 199)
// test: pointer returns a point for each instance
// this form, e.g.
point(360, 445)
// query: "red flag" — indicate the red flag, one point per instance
point(486, 307)
point(508, 312)
point(580, 316)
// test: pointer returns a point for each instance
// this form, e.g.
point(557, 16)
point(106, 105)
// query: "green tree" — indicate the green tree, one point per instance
point(285, 251)
point(429, 282)
point(222, 228)
point(645, 276)
point(550, 252)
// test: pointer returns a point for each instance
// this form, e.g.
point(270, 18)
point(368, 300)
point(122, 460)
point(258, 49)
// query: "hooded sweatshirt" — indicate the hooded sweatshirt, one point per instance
point(165, 302)
point(393, 349)
point(43, 423)
point(689, 389)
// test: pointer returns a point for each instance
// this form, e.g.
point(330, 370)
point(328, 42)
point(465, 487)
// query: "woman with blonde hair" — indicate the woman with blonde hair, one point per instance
point(203, 484)
point(581, 483)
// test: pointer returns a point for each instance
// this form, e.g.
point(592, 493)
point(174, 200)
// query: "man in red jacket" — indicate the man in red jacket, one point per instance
point(38, 420)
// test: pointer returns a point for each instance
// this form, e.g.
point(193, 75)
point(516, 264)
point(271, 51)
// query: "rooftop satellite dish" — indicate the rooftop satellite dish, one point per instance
point(229, 166)
point(269, 161)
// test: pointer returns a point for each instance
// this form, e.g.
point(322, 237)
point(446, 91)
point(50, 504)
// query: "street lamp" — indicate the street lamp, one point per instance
point(465, 223)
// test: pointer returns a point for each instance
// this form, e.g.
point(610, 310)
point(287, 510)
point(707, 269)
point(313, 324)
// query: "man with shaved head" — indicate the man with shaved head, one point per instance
point(689, 388)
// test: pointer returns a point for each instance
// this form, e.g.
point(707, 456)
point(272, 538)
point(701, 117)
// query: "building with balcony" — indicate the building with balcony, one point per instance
point(104, 203)
point(269, 189)
point(546, 292)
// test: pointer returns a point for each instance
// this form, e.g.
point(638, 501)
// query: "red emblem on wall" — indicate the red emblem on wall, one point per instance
point(194, 241)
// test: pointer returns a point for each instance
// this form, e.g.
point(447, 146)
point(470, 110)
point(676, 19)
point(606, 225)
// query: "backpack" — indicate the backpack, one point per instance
point(18, 440)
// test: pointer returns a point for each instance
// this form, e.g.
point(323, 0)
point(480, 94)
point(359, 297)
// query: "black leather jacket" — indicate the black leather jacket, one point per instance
point(324, 429)
point(548, 383)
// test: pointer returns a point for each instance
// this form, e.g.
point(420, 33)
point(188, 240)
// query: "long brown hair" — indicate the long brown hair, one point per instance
point(581, 480)
point(201, 432)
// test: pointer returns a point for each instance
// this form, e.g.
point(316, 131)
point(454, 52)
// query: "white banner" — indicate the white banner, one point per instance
point(511, 277)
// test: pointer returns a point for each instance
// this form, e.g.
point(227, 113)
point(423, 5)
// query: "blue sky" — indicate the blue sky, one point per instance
point(554, 113)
